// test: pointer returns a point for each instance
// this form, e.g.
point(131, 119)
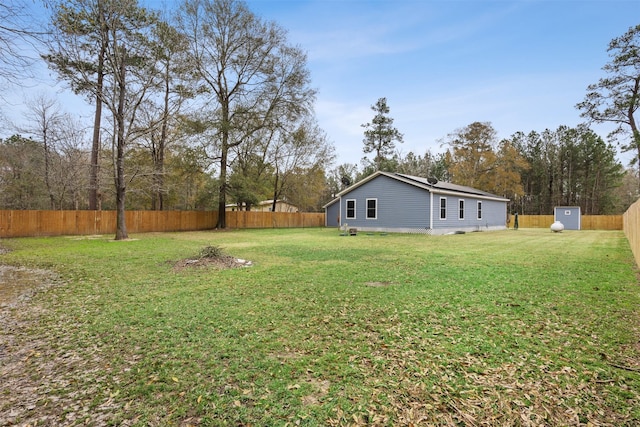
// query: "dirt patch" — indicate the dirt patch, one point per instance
point(379, 284)
point(220, 263)
point(21, 283)
point(18, 283)
point(21, 384)
point(319, 389)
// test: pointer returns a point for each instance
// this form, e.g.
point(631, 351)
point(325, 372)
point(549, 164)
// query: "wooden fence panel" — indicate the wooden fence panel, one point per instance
point(106, 222)
point(631, 225)
point(587, 222)
point(601, 222)
point(58, 223)
point(208, 220)
point(533, 221)
point(69, 222)
point(244, 219)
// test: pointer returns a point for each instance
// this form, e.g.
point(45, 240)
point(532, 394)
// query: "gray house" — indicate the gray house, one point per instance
point(394, 202)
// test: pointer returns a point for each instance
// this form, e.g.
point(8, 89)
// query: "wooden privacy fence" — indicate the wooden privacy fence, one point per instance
point(632, 229)
point(59, 223)
point(244, 219)
point(587, 222)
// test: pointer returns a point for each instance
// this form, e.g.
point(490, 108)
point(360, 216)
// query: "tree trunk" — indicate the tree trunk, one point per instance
point(635, 133)
point(121, 226)
point(94, 183)
point(222, 196)
point(163, 142)
point(157, 182)
point(224, 154)
point(47, 179)
point(275, 192)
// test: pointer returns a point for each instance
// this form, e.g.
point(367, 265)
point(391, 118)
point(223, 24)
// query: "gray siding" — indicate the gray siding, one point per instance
point(404, 207)
point(399, 205)
point(332, 215)
point(494, 213)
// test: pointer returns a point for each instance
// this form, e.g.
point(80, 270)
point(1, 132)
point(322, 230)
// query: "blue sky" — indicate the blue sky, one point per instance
point(521, 65)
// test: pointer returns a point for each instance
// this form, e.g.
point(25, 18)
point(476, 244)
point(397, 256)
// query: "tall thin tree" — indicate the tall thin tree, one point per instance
point(129, 73)
point(380, 135)
point(250, 75)
point(79, 42)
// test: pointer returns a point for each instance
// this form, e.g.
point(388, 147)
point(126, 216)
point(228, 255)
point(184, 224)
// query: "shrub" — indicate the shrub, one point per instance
point(212, 252)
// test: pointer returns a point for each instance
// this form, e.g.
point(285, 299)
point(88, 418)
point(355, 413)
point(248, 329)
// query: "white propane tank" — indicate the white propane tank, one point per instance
point(557, 227)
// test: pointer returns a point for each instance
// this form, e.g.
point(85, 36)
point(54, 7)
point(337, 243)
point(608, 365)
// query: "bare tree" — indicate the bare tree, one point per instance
point(20, 35)
point(249, 74)
point(616, 98)
point(121, 32)
point(162, 113)
point(35, 177)
point(295, 154)
point(77, 50)
point(44, 122)
point(64, 156)
point(69, 169)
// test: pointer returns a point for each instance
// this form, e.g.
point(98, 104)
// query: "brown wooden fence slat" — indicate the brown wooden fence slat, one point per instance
point(631, 226)
point(587, 222)
point(533, 221)
point(54, 223)
point(16, 223)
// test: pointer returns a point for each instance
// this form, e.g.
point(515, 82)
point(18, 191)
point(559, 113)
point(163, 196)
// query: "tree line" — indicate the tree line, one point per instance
point(210, 105)
point(536, 170)
point(205, 105)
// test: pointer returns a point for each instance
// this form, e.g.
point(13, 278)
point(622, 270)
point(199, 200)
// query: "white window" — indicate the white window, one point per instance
point(351, 209)
point(461, 209)
point(443, 208)
point(372, 208)
point(479, 210)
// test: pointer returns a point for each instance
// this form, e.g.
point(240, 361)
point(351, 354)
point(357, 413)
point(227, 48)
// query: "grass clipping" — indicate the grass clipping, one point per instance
point(212, 256)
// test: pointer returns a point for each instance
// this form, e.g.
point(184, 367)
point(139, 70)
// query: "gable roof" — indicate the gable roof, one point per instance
point(447, 186)
point(436, 187)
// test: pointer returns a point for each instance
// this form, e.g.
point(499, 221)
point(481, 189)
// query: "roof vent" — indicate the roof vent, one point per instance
point(432, 180)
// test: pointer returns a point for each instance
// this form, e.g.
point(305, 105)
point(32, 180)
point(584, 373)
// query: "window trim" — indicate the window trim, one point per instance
point(461, 209)
point(479, 210)
point(375, 208)
point(443, 199)
point(346, 209)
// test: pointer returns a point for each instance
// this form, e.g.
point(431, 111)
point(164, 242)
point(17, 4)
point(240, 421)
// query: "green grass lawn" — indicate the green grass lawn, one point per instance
point(520, 327)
